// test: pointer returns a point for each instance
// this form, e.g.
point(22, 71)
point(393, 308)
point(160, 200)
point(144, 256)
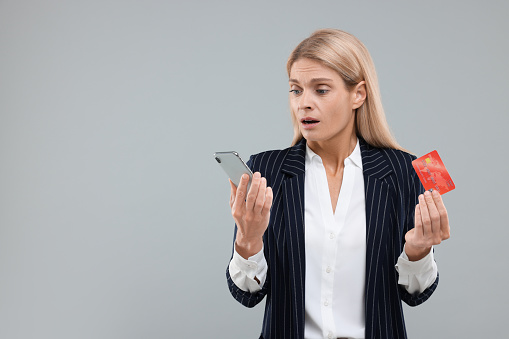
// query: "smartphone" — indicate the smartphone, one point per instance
point(234, 166)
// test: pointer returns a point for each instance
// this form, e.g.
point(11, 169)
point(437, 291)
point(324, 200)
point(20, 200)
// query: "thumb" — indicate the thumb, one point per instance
point(409, 235)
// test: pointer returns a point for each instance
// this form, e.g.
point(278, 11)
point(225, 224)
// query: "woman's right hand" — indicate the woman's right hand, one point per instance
point(251, 213)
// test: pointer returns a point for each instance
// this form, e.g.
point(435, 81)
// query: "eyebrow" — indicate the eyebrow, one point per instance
point(312, 80)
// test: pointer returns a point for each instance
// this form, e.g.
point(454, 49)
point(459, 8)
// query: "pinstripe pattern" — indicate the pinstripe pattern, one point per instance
point(391, 191)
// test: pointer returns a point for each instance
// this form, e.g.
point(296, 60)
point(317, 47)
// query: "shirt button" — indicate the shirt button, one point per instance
point(331, 236)
point(330, 336)
point(328, 269)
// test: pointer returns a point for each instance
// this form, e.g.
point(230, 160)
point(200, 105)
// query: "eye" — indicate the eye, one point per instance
point(322, 91)
point(295, 91)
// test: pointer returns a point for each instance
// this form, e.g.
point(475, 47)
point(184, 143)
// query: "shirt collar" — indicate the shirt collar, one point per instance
point(310, 155)
point(355, 157)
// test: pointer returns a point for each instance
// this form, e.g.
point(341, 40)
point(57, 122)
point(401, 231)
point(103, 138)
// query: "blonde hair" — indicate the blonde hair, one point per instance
point(346, 55)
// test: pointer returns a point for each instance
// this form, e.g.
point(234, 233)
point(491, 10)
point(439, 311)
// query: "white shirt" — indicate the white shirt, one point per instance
point(335, 255)
point(335, 251)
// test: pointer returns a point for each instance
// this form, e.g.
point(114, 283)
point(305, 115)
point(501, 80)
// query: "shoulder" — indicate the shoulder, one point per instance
point(271, 162)
point(398, 160)
point(399, 172)
point(397, 163)
point(272, 158)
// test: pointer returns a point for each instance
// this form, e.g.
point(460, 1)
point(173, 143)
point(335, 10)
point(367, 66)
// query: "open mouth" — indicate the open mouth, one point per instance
point(309, 121)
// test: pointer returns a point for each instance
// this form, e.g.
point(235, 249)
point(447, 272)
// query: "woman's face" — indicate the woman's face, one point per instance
point(323, 107)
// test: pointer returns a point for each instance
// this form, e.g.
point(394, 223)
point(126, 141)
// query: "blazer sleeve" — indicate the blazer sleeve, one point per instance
point(416, 189)
point(248, 299)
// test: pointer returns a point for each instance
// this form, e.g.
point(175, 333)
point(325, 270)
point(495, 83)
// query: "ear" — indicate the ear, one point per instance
point(359, 94)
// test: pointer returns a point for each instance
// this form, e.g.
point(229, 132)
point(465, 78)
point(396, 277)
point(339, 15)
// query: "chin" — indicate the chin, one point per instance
point(313, 137)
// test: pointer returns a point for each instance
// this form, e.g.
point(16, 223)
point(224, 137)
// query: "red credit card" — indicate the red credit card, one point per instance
point(432, 172)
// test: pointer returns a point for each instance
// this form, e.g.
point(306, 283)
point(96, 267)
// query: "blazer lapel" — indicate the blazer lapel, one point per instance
point(378, 200)
point(293, 200)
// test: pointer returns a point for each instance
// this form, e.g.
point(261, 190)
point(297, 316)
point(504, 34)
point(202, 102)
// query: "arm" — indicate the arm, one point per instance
point(428, 215)
point(251, 212)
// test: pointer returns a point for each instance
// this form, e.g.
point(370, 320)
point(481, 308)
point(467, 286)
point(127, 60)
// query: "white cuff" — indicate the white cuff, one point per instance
point(416, 276)
point(243, 272)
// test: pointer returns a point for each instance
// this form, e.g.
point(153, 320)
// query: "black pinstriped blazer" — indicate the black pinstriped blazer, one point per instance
point(391, 187)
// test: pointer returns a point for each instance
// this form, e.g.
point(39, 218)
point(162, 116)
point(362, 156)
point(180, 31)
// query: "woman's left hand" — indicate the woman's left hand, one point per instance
point(431, 226)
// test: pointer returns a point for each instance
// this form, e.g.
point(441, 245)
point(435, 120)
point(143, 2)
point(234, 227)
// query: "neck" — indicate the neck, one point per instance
point(334, 152)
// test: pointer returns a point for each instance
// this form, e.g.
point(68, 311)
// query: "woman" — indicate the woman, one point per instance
point(336, 230)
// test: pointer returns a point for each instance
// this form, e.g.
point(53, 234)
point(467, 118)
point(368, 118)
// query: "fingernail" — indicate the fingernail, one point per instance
point(257, 175)
point(427, 193)
point(244, 176)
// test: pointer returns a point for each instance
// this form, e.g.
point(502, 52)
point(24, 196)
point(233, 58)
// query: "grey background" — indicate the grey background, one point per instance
point(114, 217)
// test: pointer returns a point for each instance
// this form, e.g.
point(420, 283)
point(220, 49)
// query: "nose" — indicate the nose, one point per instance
point(305, 101)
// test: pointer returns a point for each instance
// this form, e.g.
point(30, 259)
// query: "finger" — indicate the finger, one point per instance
point(269, 195)
point(426, 221)
point(253, 191)
point(233, 192)
point(260, 199)
point(240, 196)
point(444, 217)
point(434, 216)
point(418, 222)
